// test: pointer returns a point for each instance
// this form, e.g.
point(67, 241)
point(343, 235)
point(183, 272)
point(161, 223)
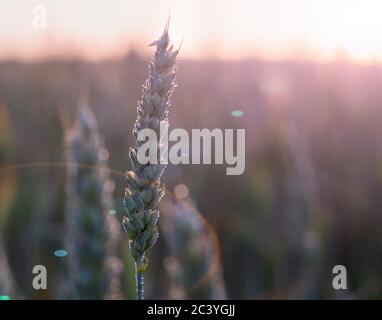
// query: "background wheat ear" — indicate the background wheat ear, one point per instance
point(144, 188)
point(193, 264)
point(92, 235)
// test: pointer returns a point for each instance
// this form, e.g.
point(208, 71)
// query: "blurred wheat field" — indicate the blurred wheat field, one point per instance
point(308, 200)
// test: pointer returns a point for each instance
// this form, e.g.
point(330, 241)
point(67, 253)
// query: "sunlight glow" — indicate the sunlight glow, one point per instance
point(315, 29)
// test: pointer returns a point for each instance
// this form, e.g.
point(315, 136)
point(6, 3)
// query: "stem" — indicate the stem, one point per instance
point(139, 282)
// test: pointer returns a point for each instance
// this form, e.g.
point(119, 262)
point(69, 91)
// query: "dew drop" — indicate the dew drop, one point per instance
point(237, 113)
point(60, 253)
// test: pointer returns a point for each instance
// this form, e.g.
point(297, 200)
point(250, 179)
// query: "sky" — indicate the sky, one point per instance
point(226, 29)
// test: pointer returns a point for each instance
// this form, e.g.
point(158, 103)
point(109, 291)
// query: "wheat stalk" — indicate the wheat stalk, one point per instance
point(91, 238)
point(144, 189)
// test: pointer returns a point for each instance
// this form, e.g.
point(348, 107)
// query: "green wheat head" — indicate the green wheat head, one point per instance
point(194, 265)
point(92, 236)
point(144, 188)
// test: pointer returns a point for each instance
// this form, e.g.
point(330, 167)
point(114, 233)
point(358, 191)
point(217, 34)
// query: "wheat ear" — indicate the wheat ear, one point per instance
point(194, 265)
point(144, 189)
point(91, 238)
